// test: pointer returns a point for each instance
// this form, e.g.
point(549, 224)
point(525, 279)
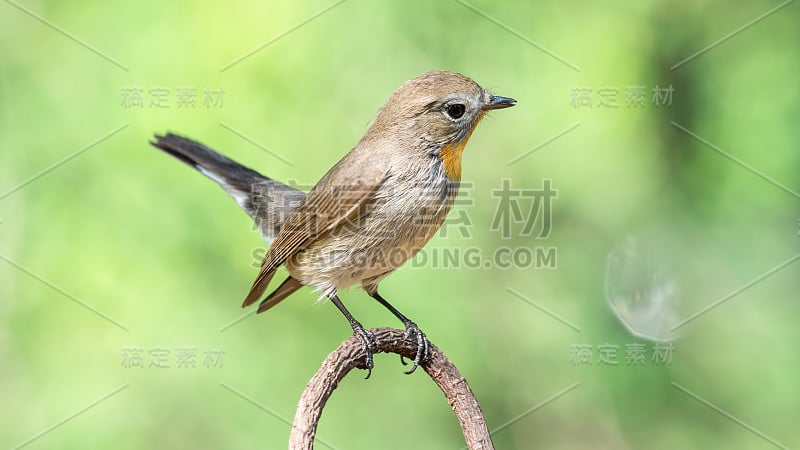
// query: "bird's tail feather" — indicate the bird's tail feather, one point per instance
point(266, 201)
point(286, 289)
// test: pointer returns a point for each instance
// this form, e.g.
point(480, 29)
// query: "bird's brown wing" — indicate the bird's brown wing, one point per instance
point(331, 203)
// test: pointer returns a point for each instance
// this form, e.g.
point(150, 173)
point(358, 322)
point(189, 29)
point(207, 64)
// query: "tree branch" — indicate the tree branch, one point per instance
point(349, 355)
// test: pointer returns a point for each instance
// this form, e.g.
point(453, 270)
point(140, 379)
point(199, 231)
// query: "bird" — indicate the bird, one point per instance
point(372, 211)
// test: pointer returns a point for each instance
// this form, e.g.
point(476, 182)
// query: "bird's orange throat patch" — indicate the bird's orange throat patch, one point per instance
point(451, 155)
point(451, 158)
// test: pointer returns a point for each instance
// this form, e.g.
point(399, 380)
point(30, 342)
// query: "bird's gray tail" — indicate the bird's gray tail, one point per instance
point(266, 201)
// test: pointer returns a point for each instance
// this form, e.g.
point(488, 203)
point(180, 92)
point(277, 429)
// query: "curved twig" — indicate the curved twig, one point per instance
point(349, 355)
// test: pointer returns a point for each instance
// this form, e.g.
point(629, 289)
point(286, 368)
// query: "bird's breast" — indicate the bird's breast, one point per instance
point(404, 213)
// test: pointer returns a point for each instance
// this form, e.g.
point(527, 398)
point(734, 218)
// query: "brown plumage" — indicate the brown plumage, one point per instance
point(380, 204)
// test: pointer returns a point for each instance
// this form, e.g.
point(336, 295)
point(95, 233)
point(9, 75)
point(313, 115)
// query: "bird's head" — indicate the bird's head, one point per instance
point(437, 113)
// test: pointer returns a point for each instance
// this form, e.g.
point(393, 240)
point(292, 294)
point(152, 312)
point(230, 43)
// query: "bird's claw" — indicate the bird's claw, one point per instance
point(414, 334)
point(368, 342)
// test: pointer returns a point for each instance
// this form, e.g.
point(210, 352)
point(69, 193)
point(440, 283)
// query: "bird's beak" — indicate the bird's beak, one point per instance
point(497, 102)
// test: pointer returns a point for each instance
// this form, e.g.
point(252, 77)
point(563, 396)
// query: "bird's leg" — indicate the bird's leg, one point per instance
point(412, 332)
point(368, 340)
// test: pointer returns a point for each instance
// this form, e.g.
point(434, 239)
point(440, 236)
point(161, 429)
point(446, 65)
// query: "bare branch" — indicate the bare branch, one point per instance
point(349, 356)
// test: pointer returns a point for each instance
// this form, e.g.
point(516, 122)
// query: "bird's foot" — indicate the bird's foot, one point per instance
point(368, 342)
point(414, 334)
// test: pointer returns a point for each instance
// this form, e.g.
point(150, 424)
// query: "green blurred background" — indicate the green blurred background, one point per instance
point(114, 246)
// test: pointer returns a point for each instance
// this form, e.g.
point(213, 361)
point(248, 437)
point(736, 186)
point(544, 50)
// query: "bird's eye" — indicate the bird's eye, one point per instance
point(455, 111)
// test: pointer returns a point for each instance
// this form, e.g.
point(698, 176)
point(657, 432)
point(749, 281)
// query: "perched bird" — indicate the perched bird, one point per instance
point(373, 210)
